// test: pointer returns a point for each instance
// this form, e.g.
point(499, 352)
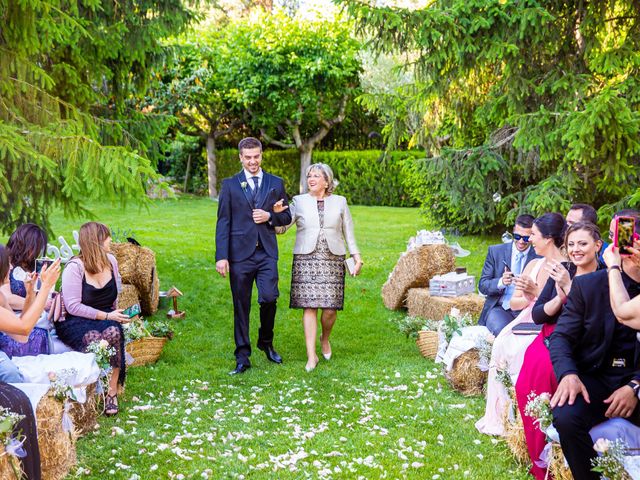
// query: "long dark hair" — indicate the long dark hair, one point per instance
point(4, 263)
point(552, 225)
point(27, 243)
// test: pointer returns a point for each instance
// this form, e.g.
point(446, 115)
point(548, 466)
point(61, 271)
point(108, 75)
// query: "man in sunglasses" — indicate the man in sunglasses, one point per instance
point(503, 262)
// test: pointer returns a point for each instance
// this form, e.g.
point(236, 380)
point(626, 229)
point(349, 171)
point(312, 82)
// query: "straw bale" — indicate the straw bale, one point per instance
point(6, 468)
point(137, 267)
point(514, 432)
point(85, 415)
point(414, 269)
point(57, 448)
point(465, 376)
point(558, 469)
point(128, 296)
point(421, 304)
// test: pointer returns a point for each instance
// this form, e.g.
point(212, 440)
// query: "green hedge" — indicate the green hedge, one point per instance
point(366, 177)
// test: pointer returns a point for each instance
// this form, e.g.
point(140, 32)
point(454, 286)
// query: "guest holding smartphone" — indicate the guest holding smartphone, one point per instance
point(324, 226)
point(11, 397)
point(90, 286)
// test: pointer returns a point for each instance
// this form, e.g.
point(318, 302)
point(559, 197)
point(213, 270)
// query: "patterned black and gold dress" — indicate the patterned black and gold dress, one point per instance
point(317, 278)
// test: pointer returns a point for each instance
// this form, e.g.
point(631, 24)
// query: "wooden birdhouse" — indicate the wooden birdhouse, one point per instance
point(174, 293)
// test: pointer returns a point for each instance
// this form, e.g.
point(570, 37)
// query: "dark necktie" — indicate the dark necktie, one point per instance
point(254, 193)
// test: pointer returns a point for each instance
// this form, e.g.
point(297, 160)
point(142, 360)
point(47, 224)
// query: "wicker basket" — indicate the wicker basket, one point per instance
point(428, 343)
point(145, 350)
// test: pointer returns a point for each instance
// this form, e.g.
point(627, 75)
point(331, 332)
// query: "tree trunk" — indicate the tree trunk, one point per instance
point(305, 161)
point(211, 166)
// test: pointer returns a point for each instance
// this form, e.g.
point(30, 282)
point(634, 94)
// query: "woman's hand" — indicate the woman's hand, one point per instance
point(528, 287)
point(49, 275)
point(118, 316)
point(635, 253)
point(279, 206)
point(29, 283)
point(612, 256)
point(561, 276)
point(359, 264)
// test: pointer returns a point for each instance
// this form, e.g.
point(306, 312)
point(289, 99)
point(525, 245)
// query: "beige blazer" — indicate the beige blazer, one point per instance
point(338, 224)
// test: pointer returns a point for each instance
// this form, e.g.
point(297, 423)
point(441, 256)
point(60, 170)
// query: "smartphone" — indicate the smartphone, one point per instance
point(624, 234)
point(132, 311)
point(41, 262)
point(506, 265)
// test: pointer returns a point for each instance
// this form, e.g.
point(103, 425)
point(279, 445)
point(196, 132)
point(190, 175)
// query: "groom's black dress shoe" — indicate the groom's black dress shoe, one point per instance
point(240, 368)
point(272, 355)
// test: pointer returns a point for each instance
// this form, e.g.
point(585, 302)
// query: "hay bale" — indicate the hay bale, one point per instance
point(421, 304)
point(128, 296)
point(57, 448)
point(465, 376)
point(137, 267)
point(85, 415)
point(414, 269)
point(558, 468)
point(427, 342)
point(514, 431)
point(8, 464)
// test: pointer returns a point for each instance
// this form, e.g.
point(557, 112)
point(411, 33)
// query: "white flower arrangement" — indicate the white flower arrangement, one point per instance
point(103, 352)
point(244, 185)
point(12, 445)
point(61, 383)
point(610, 463)
point(539, 409)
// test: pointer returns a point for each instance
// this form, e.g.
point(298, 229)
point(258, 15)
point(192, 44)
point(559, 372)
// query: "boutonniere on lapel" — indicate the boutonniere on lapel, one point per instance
point(244, 186)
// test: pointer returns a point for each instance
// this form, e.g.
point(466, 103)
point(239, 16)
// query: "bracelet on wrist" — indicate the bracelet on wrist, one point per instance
point(614, 267)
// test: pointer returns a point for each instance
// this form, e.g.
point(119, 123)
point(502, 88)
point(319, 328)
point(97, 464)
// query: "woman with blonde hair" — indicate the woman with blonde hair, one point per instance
point(324, 225)
point(90, 286)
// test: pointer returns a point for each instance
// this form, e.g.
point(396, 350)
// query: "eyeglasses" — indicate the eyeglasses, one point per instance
point(525, 238)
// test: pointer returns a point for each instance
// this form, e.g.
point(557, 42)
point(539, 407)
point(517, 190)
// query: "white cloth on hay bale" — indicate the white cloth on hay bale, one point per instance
point(468, 338)
point(35, 370)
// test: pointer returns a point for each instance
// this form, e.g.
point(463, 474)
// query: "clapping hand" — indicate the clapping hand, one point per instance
point(561, 276)
point(279, 206)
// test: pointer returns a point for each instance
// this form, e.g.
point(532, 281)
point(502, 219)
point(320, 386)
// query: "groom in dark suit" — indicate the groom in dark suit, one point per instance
point(496, 280)
point(596, 361)
point(247, 249)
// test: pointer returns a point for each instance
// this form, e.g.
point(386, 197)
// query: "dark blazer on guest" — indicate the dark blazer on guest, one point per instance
point(491, 274)
point(585, 329)
point(236, 232)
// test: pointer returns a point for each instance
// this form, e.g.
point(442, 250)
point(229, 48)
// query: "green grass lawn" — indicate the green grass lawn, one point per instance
point(376, 410)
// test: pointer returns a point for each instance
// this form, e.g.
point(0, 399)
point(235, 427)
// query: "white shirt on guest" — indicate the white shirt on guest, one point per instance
point(249, 177)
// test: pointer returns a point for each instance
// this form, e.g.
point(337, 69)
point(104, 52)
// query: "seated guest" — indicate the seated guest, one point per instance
point(582, 242)
point(594, 359)
point(90, 285)
point(26, 244)
point(497, 278)
point(507, 353)
point(582, 212)
point(626, 310)
point(10, 397)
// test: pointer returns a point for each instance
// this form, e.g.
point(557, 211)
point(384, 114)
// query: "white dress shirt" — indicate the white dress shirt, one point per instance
point(249, 177)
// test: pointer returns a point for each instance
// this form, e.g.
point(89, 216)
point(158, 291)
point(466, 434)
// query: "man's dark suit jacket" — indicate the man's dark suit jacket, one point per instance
point(491, 273)
point(583, 335)
point(236, 232)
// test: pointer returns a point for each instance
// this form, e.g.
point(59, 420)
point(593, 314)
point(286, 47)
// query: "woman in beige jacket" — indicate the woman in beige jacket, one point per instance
point(324, 226)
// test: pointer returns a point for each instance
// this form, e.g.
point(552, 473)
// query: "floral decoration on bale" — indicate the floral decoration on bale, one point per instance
point(11, 449)
point(610, 463)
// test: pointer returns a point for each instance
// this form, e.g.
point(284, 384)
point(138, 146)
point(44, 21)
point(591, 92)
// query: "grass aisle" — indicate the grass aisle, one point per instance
point(376, 410)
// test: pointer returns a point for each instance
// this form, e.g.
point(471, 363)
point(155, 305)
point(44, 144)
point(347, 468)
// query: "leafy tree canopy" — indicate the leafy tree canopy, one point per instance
point(537, 102)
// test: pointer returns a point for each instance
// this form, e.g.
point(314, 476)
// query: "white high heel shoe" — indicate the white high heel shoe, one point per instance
point(311, 369)
point(327, 356)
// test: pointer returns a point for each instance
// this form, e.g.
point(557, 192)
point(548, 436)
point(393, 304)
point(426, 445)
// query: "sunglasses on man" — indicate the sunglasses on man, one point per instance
point(517, 237)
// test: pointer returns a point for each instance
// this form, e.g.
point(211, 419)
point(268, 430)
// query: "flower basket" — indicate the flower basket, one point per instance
point(427, 342)
point(465, 375)
point(145, 350)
